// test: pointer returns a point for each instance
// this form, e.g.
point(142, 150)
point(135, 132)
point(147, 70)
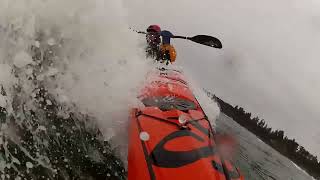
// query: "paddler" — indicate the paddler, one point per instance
point(158, 49)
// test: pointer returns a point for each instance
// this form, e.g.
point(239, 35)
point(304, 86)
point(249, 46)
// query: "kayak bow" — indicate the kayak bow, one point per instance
point(171, 137)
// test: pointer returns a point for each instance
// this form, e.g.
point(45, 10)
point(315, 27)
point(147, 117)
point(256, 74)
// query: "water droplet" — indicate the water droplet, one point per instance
point(4, 126)
point(48, 102)
point(182, 119)
point(144, 136)
point(51, 42)
point(42, 128)
point(29, 165)
point(37, 44)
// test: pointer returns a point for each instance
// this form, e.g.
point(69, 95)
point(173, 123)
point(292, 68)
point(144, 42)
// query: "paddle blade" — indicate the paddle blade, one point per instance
point(207, 40)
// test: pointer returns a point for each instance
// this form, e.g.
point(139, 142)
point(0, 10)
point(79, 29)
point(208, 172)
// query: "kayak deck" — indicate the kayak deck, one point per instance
point(171, 137)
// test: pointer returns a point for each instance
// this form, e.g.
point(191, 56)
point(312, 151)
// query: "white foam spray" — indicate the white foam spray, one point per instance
point(90, 60)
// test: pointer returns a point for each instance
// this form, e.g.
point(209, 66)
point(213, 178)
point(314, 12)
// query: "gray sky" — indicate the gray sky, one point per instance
point(269, 63)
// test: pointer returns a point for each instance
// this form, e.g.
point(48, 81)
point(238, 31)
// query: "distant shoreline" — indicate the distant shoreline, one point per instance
point(277, 139)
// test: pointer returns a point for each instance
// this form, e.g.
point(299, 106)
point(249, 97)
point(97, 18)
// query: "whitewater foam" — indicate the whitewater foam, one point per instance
point(95, 59)
point(81, 52)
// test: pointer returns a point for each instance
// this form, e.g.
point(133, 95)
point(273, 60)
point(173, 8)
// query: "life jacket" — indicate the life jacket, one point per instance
point(168, 52)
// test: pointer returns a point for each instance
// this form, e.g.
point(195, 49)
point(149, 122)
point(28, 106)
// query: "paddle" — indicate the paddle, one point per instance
point(203, 39)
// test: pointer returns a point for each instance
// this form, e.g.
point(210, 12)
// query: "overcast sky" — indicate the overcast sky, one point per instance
point(270, 61)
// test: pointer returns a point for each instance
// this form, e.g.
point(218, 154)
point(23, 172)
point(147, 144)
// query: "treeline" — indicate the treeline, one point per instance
point(275, 138)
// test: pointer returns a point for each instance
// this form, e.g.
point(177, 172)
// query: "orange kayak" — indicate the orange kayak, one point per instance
point(171, 138)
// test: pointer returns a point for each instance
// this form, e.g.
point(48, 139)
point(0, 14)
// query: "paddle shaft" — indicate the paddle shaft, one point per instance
point(200, 39)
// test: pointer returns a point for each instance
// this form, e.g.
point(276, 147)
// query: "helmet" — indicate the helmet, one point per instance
point(154, 28)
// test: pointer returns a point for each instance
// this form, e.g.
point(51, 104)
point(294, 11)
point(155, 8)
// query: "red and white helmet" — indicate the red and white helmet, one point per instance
point(154, 28)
